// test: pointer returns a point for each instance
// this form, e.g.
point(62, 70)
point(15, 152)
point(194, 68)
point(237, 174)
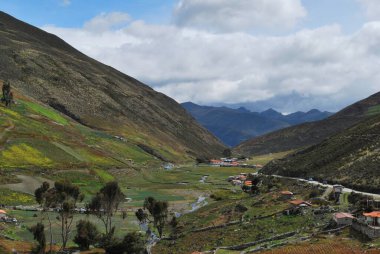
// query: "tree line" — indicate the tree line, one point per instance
point(64, 197)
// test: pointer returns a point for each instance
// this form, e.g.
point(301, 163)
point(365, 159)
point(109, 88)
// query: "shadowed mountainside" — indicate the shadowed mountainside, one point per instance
point(350, 158)
point(47, 69)
point(234, 126)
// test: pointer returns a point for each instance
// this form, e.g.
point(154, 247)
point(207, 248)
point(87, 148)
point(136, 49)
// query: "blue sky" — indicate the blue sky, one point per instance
point(295, 54)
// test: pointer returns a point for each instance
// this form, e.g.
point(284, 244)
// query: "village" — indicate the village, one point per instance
point(364, 219)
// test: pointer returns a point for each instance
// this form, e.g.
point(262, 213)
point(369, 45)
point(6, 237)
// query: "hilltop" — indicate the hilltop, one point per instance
point(233, 126)
point(350, 158)
point(46, 69)
point(307, 134)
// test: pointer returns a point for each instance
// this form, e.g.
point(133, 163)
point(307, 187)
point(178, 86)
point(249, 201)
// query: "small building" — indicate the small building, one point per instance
point(368, 224)
point(3, 214)
point(337, 188)
point(343, 218)
point(286, 195)
point(372, 218)
point(216, 163)
point(299, 203)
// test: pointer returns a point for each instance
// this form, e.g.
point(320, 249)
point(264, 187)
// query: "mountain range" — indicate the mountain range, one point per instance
point(234, 126)
point(45, 70)
point(307, 134)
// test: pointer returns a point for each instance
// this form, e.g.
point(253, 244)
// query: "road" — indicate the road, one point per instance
point(345, 190)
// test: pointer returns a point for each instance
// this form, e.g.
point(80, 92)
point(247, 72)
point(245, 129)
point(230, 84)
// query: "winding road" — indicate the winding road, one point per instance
point(345, 190)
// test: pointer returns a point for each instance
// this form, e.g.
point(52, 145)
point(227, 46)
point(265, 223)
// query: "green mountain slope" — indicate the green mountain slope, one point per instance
point(307, 134)
point(45, 68)
point(36, 136)
point(351, 158)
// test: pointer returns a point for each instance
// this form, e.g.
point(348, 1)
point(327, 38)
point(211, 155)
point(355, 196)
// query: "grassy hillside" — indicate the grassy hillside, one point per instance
point(47, 69)
point(350, 158)
point(36, 136)
point(307, 134)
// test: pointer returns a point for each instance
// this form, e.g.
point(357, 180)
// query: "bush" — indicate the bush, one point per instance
point(87, 234)
point(131, 244)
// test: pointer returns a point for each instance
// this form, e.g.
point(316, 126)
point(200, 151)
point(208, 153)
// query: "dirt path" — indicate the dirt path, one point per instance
point(28, 184)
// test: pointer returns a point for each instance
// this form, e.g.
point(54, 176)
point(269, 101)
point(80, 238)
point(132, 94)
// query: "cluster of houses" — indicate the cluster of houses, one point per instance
point(366, 223)
point(232, 162)
point(241, 180)
point(5, 218)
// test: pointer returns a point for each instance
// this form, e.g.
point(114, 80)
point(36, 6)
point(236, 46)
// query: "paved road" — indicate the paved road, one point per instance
point(345, 190)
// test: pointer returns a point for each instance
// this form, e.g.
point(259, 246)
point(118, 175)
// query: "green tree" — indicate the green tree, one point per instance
point(131, 244)
point(41, 195)
point(63, 197)
point(105, 205)
point(159, 211)
point(38, 232)
point(87, 234)
point(227, 153)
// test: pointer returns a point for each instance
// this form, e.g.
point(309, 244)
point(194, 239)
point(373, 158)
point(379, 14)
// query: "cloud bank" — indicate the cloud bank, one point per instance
point(324, 66)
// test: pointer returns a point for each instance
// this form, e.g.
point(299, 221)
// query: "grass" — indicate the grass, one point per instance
point(373, 110)
point(13, 198)
point(44, 111)
point(264, 159)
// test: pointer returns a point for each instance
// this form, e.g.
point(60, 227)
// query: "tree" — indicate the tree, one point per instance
point(105, 205)
point(63, 197)
point(7, 94)
point(159, 211)
point(131, 244)
point(41, 195)
point(227, 153)
point(174, 226)
point(87, 234)
point(38, 232)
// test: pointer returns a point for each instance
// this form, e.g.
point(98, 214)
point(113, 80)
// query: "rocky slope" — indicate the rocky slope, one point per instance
point(307, 134)
point(45, 68)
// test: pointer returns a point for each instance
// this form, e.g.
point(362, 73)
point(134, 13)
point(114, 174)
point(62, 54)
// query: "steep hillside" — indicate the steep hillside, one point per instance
point(234, 126)
point(311, 133)
point(44, 67)
point(36, 136)
point(351, 158)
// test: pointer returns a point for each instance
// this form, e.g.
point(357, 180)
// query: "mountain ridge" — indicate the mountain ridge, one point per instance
point(306, 134)
point(233, 126)
point(46, 68)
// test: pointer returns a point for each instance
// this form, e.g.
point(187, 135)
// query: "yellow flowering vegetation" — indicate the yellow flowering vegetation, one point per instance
point(22, 155)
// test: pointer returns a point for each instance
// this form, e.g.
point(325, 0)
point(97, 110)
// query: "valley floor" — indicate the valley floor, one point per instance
point(214, 216)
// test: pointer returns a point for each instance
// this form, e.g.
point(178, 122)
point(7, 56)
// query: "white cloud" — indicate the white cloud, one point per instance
point(107, 21)
point(324, 64)
point(238, 15)
point(371, 8)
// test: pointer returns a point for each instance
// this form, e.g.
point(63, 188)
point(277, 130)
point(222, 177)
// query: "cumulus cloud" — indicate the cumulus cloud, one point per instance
point(238, 15)
point(325, 66)
point(107, 21)
point(371, 8)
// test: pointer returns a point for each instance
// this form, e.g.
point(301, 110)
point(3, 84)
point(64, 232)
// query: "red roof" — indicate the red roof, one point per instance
point(374, 214)
point(3, 212)
point(286, 193)
point(343, 215)
point(299, 202)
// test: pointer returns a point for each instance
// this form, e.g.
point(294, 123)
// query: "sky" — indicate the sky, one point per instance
point(286, 54)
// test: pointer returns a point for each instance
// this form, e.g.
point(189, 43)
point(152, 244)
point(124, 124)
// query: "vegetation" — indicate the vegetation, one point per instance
point(105, 205)
point(87, 234)
point(350, 158)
